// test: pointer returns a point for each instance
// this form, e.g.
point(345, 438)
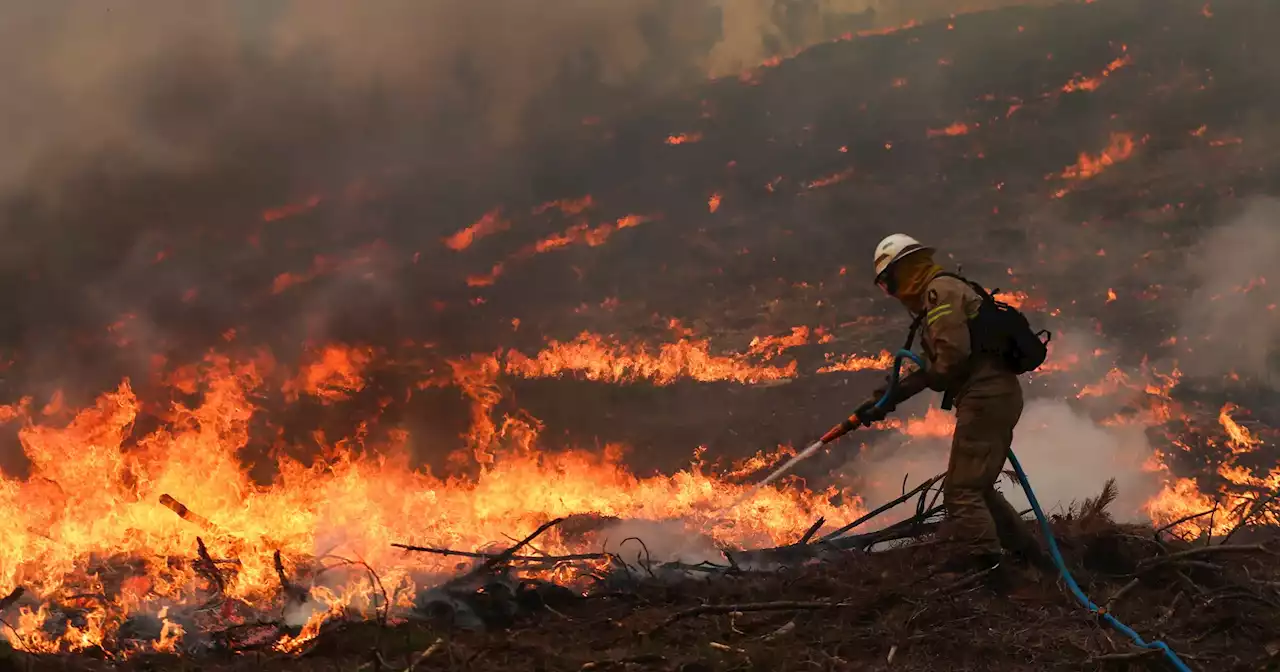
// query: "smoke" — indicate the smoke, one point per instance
point(659, 541)
point(1066, 455)
point(1230, 321)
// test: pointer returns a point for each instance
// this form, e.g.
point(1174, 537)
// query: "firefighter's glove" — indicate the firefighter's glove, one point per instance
point(872, 415)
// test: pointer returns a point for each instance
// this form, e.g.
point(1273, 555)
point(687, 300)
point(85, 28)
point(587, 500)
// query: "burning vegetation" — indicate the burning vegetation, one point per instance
point(517, 383)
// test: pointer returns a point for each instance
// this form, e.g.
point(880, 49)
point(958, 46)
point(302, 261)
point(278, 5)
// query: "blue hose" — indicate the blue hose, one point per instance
point(1071, 582)
point(1048, 532)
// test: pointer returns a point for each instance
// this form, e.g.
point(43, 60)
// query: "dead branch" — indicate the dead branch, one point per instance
point(1121, 657)
point(431, 650)
point(1106, 607)
point(745, 607)
point(186, 514)
point(1151, 563)
point(505, 556)
point(1182, 520)
point(639, 658)
point(881, 509)
point(15, 595)
point(292, 591)
point(813, 529)
point(207, 567)
point(1258, 507)
point(512, 558)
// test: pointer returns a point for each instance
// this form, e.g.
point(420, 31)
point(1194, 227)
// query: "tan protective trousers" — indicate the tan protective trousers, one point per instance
point(978, 516)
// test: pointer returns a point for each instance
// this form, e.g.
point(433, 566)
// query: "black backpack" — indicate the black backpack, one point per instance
point(1001, 330)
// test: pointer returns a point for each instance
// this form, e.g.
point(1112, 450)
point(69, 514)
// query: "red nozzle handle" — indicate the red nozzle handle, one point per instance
point(841, 429)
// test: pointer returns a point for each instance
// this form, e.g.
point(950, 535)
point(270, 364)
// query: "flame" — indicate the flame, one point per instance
point(859, 363)
point(290, 210)
point(936, 423)
point(713, 202)
point(684, 138)
point(582, 233)
point(567, 206)
point(486, 279)
point(889, 30)
point(834, 178)
point(333, 374)
point(490, 223)
point(1081, 83)
point(106, 512)
point(769, 347)
point(598, 358)
point(1087, 167)
point(1239, 438)
point(320, 265)
point(1111, 295)
point(957, 128)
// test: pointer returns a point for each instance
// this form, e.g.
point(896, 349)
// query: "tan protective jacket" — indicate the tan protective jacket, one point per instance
point(949, 304)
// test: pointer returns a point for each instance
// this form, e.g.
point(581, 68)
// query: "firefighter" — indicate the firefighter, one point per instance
point(986, 395)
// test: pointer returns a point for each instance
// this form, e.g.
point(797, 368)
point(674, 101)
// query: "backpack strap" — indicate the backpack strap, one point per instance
point(982, 291)
point(915, 329)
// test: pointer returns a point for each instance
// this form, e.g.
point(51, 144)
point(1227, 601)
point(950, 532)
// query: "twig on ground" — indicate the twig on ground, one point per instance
point(1258, 507)
point(648, 559)
point(1150, 563)
point(512, 558)
point(1119, 657)
point(505, 556)
point(1182, 520)
point(1106, 607)
point(435, 646)
point(704, 609)
point(639, 659)
point(882, 508)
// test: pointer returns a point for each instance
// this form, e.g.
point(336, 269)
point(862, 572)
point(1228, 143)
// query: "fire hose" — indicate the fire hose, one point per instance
point(857, 419)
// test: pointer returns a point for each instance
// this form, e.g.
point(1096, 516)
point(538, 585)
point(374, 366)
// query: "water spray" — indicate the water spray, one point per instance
point(857, 419)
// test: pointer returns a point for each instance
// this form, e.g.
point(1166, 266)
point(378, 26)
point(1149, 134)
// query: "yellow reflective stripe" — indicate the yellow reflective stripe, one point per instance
point(939, 307)
point(972, 313)
point(934, 316)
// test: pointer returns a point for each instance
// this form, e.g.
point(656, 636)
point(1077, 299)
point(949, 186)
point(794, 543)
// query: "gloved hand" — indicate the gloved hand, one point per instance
point(873, 415)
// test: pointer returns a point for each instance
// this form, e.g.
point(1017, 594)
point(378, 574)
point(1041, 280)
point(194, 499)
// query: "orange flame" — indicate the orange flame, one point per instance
point(1087, 167)
point(860, 363)
point(97, 494)
point(602, 359)
point(769, 347)
point(490, 223)
point(957, 128)
point(829, 180)
point(285, 211)
point(1081, 83)
point(684, 138)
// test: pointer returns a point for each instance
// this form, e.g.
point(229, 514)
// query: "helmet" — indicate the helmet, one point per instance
point(893, 248)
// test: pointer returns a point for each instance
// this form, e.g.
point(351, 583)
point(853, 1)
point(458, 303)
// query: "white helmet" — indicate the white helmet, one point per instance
point(893, 248)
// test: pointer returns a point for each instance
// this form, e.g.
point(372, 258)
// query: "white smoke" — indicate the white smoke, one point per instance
point(1231, 323)
point(1067, 457)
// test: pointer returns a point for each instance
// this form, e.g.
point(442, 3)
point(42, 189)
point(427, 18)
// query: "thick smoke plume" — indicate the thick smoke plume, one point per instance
point(168, 81)
point(1231, 322)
